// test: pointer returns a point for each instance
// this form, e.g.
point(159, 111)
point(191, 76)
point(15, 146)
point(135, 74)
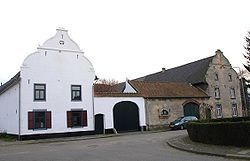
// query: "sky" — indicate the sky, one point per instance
point(126, 38)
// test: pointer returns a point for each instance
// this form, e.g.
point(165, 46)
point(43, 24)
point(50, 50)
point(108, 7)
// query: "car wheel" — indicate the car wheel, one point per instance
point(182, 127)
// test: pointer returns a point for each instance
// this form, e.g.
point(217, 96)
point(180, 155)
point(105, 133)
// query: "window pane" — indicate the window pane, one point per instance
point(39, 87)
point(234, 110)
point(75, 92)
point(39, 120)
point(76, 118)
point(230, 77)
point(37, 95)
point(76, 87)
point(232, 92)
point(41, 94)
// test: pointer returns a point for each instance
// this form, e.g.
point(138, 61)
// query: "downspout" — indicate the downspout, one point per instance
point(19, 110)
point(93, 105)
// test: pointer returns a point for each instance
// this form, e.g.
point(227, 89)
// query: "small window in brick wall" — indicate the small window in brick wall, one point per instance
point(77, 118)
point(39, 120)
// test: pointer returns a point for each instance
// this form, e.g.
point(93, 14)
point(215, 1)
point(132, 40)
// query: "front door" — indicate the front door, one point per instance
point(99, 124)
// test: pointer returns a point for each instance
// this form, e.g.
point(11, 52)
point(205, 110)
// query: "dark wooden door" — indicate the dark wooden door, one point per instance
point(99, 124)
point(126, 116)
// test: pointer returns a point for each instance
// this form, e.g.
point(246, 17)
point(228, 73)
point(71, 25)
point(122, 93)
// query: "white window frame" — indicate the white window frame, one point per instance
point(234, 110)
point(218, 110)
point(232, 92)
point(217, 92)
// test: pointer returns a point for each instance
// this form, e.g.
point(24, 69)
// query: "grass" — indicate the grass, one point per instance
point(7, 138)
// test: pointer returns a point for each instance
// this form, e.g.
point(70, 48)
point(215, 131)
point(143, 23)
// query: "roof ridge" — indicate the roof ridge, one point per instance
point(175, 67)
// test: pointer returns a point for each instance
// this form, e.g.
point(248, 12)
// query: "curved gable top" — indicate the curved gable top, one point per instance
point(61, 41)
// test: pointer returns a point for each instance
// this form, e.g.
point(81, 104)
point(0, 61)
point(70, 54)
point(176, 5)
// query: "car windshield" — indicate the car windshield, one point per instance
point(179, 119)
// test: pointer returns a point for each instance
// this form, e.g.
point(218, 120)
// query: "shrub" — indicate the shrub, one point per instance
point(233, 131)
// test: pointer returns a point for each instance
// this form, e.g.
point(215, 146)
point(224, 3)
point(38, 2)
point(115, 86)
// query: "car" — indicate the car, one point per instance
point(181, 122)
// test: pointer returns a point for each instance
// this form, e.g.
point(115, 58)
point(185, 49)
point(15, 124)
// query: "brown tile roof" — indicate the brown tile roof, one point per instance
point(116, 94)
point(167, 90)
point(103, 88)
point(152, 90)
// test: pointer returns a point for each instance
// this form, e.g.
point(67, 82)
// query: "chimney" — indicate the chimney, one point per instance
point(163, 70)
point(1, 83)
point(218, 51)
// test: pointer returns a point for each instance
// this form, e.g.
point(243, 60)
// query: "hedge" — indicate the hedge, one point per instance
point(231, 131)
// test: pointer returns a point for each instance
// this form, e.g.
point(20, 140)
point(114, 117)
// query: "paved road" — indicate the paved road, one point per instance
point(131, 147)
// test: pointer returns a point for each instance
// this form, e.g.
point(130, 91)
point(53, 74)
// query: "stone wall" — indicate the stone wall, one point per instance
point(155, 120)
point(221, 66)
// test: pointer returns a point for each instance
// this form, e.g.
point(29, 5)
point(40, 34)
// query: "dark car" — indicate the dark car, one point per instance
point(181, 122)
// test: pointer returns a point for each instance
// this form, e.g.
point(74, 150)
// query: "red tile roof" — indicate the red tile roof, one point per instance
point(152, 90)
point(167, 90)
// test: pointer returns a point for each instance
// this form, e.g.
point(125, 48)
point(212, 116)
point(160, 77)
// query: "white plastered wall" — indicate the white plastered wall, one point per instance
point(9, 106)
point(58, 69)
point(105, 105)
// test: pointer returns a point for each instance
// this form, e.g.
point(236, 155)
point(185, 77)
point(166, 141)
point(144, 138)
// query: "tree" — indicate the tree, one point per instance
point(247, 48)
point(107, 81)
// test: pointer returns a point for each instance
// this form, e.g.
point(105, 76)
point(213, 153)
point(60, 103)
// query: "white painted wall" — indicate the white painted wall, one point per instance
point(59, 67)
point(9, 106)
point(129, 88)
point(105, 105)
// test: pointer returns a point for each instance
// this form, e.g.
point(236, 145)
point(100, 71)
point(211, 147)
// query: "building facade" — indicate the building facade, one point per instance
point(52, 93)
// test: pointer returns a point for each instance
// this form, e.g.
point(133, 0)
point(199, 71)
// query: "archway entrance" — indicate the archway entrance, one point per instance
point(126, 116)
point(99, 124)
point(191, 109)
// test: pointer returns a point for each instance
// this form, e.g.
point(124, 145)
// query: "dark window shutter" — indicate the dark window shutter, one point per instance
point(84, 118)
point(48, 119)
point(69, 118)
point(30, 120)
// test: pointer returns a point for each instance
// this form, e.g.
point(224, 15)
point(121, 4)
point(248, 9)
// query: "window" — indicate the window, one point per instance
point(77, 118)
point(164, 112)
point(39, 92)
point(216, 77)
point(217, 93)
point(76, 93)
point(234, 110)
point(232, 92)
point(230, 78)
point(39, 120)
point(218, 110)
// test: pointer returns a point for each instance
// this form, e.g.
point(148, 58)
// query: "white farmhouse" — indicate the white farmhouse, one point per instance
point(52, 93)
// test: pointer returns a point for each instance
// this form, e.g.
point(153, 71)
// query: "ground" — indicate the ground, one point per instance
point(132, 146)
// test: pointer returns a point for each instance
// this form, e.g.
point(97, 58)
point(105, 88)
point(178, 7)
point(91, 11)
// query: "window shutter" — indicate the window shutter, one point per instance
point(69, 118)
point(48, 119)
point(84, 118)
point(30, 120)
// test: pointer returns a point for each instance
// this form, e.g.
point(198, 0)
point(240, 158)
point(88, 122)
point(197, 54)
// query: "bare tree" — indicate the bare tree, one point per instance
point(110, 82)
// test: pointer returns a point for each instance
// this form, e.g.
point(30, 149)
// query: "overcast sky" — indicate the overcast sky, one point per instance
point(126, 39)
